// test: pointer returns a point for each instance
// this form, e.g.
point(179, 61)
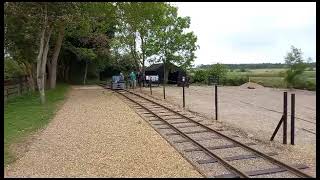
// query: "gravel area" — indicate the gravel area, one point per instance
point(251, 110)
point(254, 108)
point(302, 153)
point(95, 134)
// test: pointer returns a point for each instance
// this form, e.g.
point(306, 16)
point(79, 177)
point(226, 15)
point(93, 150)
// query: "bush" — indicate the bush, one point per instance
point(243, 70)
point(200, 76)
point(12, 68)
point(301, 82)
point(234, 80)
point(218, 70)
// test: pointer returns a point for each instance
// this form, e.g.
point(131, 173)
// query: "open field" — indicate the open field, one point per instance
point(24, 115)
point(268, 73)
point(274, 77)
point(255, 112)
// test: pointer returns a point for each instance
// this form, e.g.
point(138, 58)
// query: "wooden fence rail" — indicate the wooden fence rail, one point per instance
point(15, 86)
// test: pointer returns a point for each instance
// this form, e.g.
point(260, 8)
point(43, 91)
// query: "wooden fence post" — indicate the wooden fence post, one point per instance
point(216, 100)
point(6, 95)
point(20, 85)
point(285, 113)
point(292, 117)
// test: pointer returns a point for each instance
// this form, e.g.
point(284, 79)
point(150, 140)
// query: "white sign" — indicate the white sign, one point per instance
point(152, 77)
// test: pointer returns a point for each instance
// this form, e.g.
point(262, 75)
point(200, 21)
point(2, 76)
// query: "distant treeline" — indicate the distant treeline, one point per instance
point(254, 66)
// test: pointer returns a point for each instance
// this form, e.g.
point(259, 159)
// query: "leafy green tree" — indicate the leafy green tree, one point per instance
point(38, 21)
point(171, 43)
point(88, 56)
point(296, 65)
point(200, 76)
point(92, 34)
point(218, 70)
point(12, 68)
point(137, 22)
point(20, 34)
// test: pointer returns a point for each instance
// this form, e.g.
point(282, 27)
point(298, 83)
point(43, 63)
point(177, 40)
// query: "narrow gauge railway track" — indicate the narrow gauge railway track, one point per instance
point(161, 114)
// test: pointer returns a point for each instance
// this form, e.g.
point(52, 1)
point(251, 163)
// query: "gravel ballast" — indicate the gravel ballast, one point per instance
point(95, 134)
point(287, 154)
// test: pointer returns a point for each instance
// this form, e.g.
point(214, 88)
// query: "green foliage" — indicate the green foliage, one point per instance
point(218, 70)
point(24, 115)
point(275, 82)
point(86, 54)
point(296, 66)
point(171, 42)
point(200, 76)
point(302, 82)
point(243, 70)
point(234, 80)
point(12, 68)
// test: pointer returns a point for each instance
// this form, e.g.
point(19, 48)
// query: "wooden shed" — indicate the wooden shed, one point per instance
point(175, 72)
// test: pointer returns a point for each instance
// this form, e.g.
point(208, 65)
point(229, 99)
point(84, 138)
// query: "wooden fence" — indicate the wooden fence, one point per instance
point(15, 86)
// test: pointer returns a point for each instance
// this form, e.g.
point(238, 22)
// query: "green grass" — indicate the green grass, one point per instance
point(24, 115)
point(271, 77)
point(275, 82)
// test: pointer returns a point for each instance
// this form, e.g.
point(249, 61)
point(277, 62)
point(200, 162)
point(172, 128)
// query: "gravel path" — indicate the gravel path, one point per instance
point(95, 134)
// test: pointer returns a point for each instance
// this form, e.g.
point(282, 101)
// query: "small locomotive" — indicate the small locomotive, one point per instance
point(118, 82)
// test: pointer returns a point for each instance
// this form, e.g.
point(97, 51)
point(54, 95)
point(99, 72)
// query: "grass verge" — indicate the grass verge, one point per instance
point(24, 115)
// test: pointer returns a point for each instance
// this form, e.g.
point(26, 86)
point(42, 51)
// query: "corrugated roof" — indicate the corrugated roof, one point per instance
point(154, 67)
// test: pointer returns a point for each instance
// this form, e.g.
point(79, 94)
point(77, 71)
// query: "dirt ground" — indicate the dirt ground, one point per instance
point(255, 112)
point(95, 134)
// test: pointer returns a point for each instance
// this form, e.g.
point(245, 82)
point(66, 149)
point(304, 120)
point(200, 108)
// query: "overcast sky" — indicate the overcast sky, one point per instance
point(231, 32)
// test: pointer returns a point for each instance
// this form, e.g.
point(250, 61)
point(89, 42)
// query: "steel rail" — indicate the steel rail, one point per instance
point(207, 151)
point(264, 156)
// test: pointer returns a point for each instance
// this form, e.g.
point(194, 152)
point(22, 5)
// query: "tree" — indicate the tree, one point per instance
point(137, 22)
point(218, 70)
point(20, 34)
point(296, 65)
point(90, 39)
point(171, 43)
point(200, 76)
point(37, 22)
point(12, 68)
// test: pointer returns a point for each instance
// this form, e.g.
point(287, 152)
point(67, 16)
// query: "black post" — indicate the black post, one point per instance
point(285, 114)
point(164, 78)
point(216, 100)
point(150, 85)
point(183, 94)
point(143, 77)
point(292, 117)
point(277, 128)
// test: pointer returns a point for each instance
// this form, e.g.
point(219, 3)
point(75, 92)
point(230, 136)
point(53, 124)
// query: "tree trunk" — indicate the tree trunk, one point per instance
point(143, 60)
point(43, 67)
point(54, 60)
point(42, 60)
point(30, 77)
point(39, 60)
point(85, 73)
point(164, 77)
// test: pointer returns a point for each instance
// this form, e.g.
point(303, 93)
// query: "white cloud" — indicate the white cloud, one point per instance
point(250, 32)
